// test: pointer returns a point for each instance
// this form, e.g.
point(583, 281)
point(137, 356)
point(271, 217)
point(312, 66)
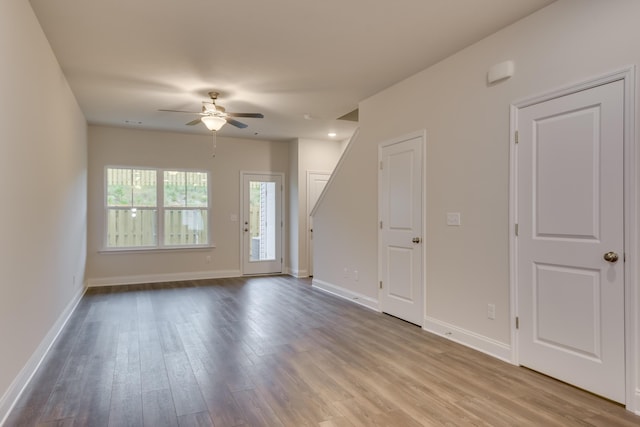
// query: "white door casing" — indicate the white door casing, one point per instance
point(570, 213)
point(262, 222)
point(316, 181)
point(401, 246)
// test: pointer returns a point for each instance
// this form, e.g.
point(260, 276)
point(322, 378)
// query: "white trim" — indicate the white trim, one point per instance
point(152, 249)
point(467, 338)
point(160, 278)
point(513, 248)
point(346, 294)
point(337, 169)
point(631, 210)
point(298, 274)
point(19, 384)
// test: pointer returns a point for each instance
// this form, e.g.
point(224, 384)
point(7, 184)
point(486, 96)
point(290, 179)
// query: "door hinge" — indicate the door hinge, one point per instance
point(380, 164)
point(517, 229)
point(517, 323)
point(380, 284)
point(380, 225)
point(516, 137)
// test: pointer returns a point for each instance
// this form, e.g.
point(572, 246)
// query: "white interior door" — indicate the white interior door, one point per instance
point(316, 181)
point(570, 260)
point(262, 223)
point(400, 239)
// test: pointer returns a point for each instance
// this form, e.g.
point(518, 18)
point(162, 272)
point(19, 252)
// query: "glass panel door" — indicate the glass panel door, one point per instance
point(262, 223)
point(262, 217)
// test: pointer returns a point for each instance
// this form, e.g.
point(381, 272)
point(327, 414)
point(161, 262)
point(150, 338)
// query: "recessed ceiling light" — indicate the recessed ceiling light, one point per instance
point(332, 134)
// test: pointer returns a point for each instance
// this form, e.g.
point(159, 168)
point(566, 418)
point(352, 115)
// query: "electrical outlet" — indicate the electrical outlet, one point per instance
point(345, 272)
point(208, 259)
point(356, 277)
point(491, 311)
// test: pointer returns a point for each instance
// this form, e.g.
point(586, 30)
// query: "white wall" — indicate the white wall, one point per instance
point(293, 216)
point(43, 215)
point(306, 155)
point(467, 125)
point(109, 146)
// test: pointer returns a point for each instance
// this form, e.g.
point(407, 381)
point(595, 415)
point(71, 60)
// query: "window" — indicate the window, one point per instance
point(141, 214)
point(186, 205)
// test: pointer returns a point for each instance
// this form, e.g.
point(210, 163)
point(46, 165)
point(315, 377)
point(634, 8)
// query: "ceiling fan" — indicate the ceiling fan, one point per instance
point(215, 116)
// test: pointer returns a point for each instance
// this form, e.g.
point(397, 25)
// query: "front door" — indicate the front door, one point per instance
point(570, 260)
point(400, 239)
point(262, 223)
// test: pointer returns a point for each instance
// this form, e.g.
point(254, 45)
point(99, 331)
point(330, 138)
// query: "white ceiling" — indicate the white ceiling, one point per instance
point(125, 59)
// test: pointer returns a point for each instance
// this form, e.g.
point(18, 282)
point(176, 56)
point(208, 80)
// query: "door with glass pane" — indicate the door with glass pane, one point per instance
point(262, 223)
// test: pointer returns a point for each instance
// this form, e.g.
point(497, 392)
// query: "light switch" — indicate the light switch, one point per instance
point(453, 218)
point(233, 217)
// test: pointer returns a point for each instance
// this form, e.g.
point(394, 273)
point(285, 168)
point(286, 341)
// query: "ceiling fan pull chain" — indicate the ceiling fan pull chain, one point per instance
point(213, 148)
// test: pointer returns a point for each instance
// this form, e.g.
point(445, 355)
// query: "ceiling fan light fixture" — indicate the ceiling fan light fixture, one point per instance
point(213, 123)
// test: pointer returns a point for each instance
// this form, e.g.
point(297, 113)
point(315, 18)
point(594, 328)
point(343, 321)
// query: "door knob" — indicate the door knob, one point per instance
point(611, 257)
point(416, 240)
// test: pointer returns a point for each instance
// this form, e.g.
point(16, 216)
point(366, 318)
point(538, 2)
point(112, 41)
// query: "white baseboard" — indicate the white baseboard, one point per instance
point(341, 292)
point(21, 381)
point(476, 341)
point(636, 407)
point(159, 278)
point(298, 274)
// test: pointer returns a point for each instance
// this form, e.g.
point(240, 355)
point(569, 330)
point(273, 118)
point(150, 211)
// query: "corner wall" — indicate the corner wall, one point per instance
point(307, 155)
point(43, 170)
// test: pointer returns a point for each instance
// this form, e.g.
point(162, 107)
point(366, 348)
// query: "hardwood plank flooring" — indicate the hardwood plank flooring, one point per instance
point(272, 351)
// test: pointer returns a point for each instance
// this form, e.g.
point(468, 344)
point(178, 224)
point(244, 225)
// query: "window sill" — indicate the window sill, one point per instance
point(155, 250)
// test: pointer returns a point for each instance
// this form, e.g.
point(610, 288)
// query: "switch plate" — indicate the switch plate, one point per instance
point(491, 311)
point(453, 218)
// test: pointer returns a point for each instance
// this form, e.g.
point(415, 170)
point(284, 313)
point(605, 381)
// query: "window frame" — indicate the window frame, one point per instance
point(160, 208)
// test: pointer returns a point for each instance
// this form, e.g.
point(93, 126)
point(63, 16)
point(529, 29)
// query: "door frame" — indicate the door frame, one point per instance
point(422, 134)
point(283, 247)
point(309, 218)
point(631, 198)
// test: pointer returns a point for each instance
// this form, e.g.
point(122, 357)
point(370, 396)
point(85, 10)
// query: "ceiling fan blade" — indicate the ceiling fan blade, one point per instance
point(236, 123)
point(252, 115)
point(193, 122)
point(182, 111)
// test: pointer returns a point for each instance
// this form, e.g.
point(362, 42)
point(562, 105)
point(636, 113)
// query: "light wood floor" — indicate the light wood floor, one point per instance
point(272, 352)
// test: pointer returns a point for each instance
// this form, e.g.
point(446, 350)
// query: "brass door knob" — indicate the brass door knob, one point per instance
point(416, 240)
point(611, 257)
